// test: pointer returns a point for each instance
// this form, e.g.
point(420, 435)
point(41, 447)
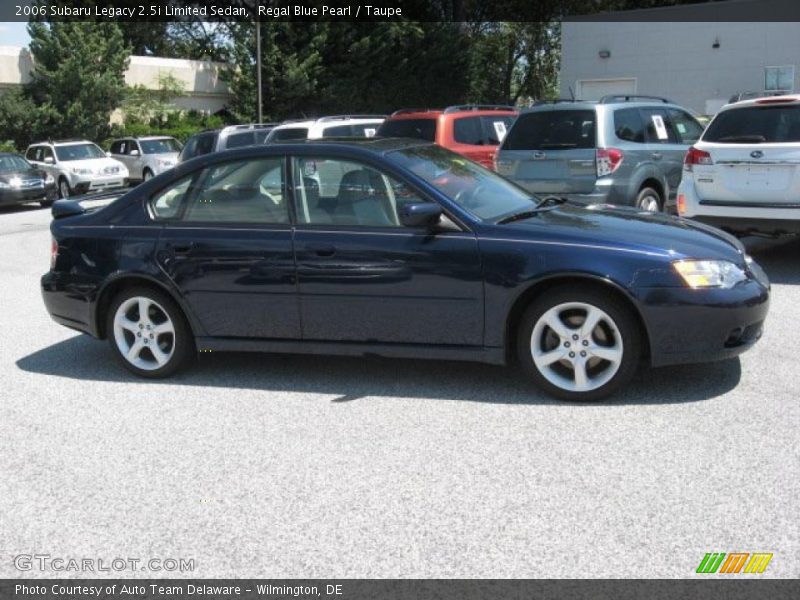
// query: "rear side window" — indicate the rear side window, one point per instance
point(199, 145)
point(422, 129)
point(118, 147)
point(756, 125)
point(468, 130)
point(628, 125)
point(552, 130)
point(238, 140)
point(32, 152)
point(292, 133)
point(496, 128)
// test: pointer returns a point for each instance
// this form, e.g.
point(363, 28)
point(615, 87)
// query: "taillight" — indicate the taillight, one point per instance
point(53, 253)
point(608, 160)
point(696, 157)
point(681, 204)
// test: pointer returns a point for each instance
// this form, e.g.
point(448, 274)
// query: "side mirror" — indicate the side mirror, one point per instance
point(134, 152)
point(49, 160)
point(420, 214)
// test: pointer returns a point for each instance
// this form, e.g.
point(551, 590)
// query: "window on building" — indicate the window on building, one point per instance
point(779, 79)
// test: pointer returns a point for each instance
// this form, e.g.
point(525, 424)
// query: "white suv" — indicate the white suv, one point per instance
point(326, 127)
point(78, 167)
point(743, 174)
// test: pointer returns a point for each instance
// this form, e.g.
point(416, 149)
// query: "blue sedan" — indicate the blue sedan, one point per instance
point(402, 249)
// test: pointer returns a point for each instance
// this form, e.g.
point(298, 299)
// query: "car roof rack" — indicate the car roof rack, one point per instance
point(405, 111)
point(346, 117)
point(559, 101)
point(632, 98)
point(749, 95)
point(476, 107)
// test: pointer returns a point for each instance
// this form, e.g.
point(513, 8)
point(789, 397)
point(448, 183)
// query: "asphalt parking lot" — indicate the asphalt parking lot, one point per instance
point(291, 466)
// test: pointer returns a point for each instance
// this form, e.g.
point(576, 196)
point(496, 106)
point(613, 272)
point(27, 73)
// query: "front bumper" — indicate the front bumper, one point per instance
point(85, 184)
point(694, 325)
point(21, 196)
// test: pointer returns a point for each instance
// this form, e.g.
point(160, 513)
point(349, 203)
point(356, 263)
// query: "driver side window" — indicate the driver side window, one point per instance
point(347, 193)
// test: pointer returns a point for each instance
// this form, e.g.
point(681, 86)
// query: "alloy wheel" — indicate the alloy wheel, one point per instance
point(576, 346)
point(144, 333)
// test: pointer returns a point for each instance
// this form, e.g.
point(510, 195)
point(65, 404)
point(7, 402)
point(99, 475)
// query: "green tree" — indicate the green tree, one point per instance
point(143, 105)
point(78, 76)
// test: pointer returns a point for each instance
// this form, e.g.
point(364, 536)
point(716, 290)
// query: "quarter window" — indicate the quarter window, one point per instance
point(686, 127)
point(468, 130)
point(338, 192)
point(167, 203)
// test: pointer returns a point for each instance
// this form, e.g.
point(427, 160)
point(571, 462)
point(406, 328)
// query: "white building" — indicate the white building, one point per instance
point(203, 87)
point(697, 64)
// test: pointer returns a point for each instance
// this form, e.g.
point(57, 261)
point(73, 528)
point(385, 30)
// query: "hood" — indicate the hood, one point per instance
point(632, 229)
point(32, 173)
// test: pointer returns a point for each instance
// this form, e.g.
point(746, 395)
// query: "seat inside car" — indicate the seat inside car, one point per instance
point(362, 200)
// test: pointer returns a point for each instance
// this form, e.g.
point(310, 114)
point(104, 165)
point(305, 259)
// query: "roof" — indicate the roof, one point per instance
point(764, 101)
point(61, 142)
point(473, 109)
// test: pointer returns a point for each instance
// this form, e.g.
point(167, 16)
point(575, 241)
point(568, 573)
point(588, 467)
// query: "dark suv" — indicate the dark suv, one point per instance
point(619, 150)
point(473, 130)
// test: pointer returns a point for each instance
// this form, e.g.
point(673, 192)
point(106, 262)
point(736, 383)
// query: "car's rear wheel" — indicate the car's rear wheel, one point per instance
point(148, 333)
point(63, 188)
point(579, 343)
point(649, 200)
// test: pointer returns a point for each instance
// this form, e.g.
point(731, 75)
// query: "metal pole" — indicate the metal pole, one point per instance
point(258, 72)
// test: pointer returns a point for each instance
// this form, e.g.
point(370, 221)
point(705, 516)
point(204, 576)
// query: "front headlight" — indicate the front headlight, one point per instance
point(709, 273)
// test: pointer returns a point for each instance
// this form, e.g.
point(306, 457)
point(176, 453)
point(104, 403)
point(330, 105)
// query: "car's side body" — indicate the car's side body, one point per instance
point(473, 131)
point(455, 293)
point(600, 152)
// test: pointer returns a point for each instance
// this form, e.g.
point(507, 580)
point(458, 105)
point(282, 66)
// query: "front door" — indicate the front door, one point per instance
point(227, 245)
point(363, 277)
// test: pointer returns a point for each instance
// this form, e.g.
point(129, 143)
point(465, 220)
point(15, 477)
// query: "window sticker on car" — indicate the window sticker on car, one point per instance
point(369, 132)
point(500, 129)
point(681, 127)
point(309, 168)
point(661, 129)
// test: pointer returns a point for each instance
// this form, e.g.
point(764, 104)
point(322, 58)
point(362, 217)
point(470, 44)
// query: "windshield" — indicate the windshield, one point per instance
point(552, 130)
point(164, 146)
point(756, 124)
point(79, 152)
point(476, 189)
point(13, 163)
point(423, 129)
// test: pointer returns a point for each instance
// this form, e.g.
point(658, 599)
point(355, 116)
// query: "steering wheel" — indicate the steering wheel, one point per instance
point(468, 197)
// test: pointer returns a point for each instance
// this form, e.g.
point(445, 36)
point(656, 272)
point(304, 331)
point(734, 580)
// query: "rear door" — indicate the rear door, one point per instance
point(756, 156)
point(551, 151)
point(226, 244)
point(664, 145)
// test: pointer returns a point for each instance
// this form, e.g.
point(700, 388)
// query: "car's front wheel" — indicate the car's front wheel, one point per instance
point(147, 174)
point(579, 343)
point(148, 333)
point(64, 190)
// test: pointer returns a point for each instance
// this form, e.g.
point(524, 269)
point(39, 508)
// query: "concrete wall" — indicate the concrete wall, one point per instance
point(678, 60)
point(204, 90)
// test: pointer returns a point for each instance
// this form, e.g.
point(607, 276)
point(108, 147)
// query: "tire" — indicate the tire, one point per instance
point(564, 310)
point(64, 190)
point(133, 338)
point(146, 175)
point(650, 200)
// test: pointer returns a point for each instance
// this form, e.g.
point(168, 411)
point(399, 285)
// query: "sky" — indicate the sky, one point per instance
point(13, 34)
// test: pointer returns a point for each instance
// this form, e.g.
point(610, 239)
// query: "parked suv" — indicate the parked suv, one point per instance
point(326, 127)
point(473, 130)
point(78, 166)
point(216, 140)
point(619, 150)
point(146, 157)
point(743, 175)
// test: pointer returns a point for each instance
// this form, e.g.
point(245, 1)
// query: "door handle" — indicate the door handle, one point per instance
point(321, 249)
point(181, 249)
point(656, 155)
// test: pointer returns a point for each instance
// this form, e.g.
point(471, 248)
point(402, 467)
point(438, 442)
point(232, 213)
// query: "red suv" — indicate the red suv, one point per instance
point(473, 130)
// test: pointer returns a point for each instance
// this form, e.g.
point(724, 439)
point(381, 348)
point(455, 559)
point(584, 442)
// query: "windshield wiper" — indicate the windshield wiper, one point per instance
point(527, 214)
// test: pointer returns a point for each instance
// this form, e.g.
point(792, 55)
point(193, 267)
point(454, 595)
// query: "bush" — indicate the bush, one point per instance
point(8, 146)
point(179, 125)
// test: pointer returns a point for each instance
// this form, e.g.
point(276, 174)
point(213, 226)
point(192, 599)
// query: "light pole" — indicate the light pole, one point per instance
point(258, 72)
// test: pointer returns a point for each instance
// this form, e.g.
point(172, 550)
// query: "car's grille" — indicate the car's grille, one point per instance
point(28, 184)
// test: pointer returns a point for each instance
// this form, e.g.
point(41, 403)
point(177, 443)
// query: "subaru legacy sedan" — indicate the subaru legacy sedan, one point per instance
point(397, 248)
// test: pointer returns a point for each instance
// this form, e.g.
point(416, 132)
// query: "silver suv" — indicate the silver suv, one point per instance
point(624, 150)
point(146, 157)
point(216, 140)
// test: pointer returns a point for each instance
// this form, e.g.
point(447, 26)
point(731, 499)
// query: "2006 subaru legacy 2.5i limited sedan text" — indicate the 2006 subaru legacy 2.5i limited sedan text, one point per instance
point(397, 248)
